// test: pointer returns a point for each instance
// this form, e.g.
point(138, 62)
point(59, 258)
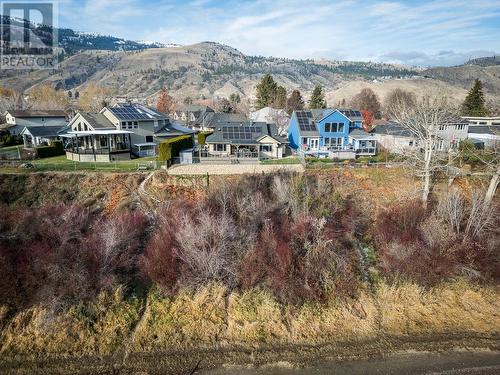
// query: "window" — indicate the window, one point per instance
point(149, 138)
point(326, 142)
point(104, 141)
point(410, 143)
point(266, 148)
point(130, 124)
point(341, 127)
point(352, 124)
point(136, 124)
point(334, 127)
point(442, 127)
point(327, 127)
point(124, 125)
point(219, 147)
point(155, 123)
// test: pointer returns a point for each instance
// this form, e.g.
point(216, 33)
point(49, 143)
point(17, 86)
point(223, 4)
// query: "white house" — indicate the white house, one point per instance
point(393, 137)
point(489, 136)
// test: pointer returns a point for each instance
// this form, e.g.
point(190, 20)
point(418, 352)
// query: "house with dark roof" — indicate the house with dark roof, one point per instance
point(193, 116)
point(485, 135)
point(332, 133)
point(16, 121)
point(238, 141)
point(35, 136)
point(393, 137)
point(121, 130)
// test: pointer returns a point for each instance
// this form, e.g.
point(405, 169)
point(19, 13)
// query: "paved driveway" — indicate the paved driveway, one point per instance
point(212, 169)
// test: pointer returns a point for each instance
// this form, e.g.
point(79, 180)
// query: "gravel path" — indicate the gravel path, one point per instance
point(213, 169)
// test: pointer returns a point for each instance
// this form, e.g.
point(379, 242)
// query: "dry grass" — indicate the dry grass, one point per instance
point(99, 328)
point(255, 317)
point(408, 309)
point(315, 323)
point(188, 319)
point(202, 319)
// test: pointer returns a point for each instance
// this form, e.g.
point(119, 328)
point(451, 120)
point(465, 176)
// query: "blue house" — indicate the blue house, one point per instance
point(335, 133)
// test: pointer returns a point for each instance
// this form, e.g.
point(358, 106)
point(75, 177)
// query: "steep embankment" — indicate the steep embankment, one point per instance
point(100, 308)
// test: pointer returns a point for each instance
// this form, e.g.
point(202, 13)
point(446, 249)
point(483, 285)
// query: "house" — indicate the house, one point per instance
point(273, 116)
point(16, 121)
point(393, 137)
point(487, 120)
point(119, 131)
point(35, 136)
point(192, 116)
point(214, 120)
point(485, 135)
point(451, 133)
point(244, 141)
point(332, 133)
point(93, 137)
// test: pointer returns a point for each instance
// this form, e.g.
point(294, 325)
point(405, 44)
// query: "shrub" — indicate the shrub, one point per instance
point(170, 148)
point(54, 149)
point(202, 136)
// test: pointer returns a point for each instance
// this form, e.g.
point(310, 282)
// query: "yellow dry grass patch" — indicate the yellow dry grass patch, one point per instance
point(255, 317)
point(98, 328)
point(191, 318)
point(314, 323)
point(408, 309)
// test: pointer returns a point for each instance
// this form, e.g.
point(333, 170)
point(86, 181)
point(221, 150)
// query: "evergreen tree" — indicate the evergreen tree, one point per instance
point(295, 102)
point(473, 104)
point(280, 100)
point(317, 99)
point(266, 91)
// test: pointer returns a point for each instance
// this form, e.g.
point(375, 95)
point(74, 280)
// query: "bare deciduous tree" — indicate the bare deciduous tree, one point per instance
point(423, 120)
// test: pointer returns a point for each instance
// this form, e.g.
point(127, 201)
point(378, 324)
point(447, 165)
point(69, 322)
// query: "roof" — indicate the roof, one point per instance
point(43, 131)
point(266, 114)
point(173, 129)
point(213, 119)
point(244, 133)
point(97, 120)
point(135, 111)
point(484, 129)
point(351, 114)
point(391, 128)
point(360, 134)
point(194, 108)
point(37, 113)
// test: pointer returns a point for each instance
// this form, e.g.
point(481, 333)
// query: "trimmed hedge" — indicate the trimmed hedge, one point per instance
point(170, 148)
point(202, 136)
point(54, 149)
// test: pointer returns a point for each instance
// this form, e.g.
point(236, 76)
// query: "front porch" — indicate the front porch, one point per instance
point(229, 152)
point(98, 145)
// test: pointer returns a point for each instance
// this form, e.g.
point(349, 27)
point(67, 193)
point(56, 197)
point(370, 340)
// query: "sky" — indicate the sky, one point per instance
point(423, 33)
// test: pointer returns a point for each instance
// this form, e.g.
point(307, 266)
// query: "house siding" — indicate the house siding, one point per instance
point(293, 132)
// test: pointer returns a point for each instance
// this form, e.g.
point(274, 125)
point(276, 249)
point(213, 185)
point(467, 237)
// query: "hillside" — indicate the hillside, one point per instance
point(207, 69)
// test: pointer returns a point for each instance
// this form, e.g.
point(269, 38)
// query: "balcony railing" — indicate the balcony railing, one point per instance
point(239, 155)
point(366, 150)
point(97, 151)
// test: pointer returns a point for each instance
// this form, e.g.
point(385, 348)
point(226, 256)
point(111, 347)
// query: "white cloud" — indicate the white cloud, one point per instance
point(353, 29)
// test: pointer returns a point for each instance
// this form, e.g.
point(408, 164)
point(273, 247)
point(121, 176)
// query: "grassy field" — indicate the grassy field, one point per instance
point(287, 160)
point(60, 163)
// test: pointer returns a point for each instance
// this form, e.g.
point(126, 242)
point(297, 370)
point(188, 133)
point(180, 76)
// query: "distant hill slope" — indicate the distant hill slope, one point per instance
point(206, 70)
point(73, 41)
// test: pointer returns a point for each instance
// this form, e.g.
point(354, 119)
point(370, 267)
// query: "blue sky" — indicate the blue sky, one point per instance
point(434, 32)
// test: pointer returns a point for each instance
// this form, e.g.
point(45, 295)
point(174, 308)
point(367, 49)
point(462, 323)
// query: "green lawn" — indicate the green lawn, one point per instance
point(60, 163)
point(287, 160)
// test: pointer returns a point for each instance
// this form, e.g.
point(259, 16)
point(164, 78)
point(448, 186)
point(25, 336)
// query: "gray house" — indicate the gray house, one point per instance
point(118, 132)
point(244, 141)
point(40, 135)
point(16, 121)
